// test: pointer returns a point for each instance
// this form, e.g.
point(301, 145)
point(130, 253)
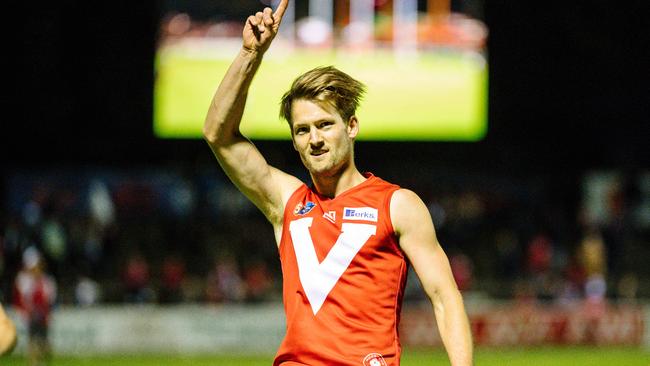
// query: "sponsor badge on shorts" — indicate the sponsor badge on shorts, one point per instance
point(374, 359)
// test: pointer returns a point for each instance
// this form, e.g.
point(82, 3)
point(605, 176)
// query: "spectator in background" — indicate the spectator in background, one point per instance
point(34, 297)
point(258, 281)
point(593, 258)
point(54, 241)
point(508, 253)
point(86, 292)
point(573, 279)
point(539, 260)
point(224, 283)
point(462, 270)
point(173, 275)
point(627, 287)
point(540, 253)
point(136, 280)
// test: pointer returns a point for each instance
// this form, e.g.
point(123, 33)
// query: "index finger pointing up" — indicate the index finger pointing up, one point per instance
point(279, 12)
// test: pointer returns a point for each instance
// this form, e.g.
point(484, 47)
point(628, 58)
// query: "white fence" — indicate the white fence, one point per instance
point(198, 329)
point(164, 330)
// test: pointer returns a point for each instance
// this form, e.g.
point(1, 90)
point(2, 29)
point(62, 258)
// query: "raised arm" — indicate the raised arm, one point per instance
point(7, 333)
point(267, 187)
point(417, 238)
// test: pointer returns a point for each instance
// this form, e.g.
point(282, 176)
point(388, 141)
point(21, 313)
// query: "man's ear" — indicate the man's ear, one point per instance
point(353, 127)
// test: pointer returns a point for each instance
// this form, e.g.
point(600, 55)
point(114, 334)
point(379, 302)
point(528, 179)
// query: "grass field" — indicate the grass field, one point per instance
point(551, 356)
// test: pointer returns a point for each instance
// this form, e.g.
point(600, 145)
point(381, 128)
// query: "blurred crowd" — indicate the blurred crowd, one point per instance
point(167, 236)
point(449, 24)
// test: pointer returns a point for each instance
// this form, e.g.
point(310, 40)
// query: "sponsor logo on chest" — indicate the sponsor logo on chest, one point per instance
point(330, 216)
point(301, 210)
point(360, 214)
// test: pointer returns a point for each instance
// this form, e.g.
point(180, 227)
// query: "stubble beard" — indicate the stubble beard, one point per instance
point(332, 166)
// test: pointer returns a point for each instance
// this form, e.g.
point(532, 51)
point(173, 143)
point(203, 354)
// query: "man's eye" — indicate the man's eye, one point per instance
point(301, 131)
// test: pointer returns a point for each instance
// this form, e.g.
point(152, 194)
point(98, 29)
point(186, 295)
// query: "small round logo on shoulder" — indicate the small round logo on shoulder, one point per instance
point(374, 359)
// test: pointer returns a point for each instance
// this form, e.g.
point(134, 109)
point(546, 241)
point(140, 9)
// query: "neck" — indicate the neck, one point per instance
point(331, 185)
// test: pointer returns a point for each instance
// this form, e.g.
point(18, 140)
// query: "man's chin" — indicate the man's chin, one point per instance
point(320, 169)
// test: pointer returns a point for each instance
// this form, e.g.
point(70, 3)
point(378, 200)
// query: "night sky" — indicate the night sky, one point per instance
point(568, 89)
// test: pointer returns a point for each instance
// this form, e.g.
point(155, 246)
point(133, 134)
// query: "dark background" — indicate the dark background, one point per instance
point(568, 95)
point(568, 90)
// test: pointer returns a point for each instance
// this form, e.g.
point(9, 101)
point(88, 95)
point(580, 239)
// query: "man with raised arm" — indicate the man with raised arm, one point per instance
point(346, 240)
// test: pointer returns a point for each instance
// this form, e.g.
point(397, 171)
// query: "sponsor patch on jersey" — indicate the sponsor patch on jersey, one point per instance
point(303, 209)
point(374, 359)
point(360, 213)
point(331, 216)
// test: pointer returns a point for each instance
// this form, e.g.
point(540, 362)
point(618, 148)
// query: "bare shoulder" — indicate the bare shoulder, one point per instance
point(407, 210)
point(286, 185)
point(405, 196)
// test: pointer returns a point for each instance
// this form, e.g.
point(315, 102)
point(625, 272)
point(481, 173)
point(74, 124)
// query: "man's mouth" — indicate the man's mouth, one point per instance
point(317, 152)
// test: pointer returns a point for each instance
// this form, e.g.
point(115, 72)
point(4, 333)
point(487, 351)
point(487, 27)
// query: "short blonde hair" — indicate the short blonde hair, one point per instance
point(328, 85)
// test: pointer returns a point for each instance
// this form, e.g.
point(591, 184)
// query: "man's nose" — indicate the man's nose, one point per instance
point(315, 137)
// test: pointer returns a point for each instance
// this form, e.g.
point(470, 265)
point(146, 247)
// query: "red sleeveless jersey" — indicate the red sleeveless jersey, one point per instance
point(343, 278)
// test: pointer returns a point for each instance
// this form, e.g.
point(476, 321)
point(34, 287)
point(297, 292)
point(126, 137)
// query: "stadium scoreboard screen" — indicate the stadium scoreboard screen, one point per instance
point(414, 93)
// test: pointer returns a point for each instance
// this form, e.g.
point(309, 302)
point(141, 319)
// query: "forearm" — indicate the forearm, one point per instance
point(227, 107)
point(454, 329)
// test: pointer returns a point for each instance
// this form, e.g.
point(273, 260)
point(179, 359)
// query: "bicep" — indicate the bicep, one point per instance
point(432, 267)
point(267, 187)
point(417, 238)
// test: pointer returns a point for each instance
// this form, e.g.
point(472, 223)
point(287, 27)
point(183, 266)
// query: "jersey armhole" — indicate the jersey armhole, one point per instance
point(389, 221)
point(291, 198)
point(286, 212)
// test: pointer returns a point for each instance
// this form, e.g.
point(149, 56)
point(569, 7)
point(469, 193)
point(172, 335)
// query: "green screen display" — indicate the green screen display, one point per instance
point(434, 96)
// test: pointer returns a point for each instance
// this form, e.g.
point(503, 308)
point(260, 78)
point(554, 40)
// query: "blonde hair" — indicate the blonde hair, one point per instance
point(328, 85)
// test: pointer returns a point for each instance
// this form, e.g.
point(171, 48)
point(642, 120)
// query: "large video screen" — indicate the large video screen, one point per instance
point(426, 91)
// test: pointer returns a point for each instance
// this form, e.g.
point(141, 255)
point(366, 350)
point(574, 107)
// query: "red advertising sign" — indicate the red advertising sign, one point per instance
point(528, 324)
